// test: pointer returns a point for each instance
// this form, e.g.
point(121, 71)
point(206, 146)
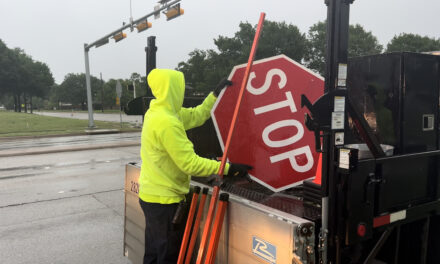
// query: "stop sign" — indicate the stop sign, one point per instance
point(269, 133)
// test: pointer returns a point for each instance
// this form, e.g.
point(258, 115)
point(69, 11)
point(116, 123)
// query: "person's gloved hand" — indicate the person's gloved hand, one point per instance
point(238, 170)
point(224, 82)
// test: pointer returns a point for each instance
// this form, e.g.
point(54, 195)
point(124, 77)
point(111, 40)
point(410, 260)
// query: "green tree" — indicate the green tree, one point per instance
point(360, 43)
point(12, 72)
point(413, 43)
point(73, 90)
point(110, 93)
point(316, 51)
point(109, 99)
point(7, 101)
point(53, 97)
point(21, 85)
point(22, 77)
point(9, 75)
point(205, 68)
point(194, 69)
point(40, 82)
point(276, 38)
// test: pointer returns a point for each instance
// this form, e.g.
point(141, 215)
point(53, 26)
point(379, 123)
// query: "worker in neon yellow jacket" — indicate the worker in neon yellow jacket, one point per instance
point(169, 160)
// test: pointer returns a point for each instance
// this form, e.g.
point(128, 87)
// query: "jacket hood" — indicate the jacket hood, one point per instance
point(168, 86)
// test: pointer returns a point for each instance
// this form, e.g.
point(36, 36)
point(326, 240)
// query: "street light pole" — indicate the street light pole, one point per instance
point(89, 88)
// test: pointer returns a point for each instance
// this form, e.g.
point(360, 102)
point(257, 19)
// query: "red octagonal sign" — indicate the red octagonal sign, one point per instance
point(269, 133)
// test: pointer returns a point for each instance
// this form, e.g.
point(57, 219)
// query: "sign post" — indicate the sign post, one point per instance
point(118, 99)
point(270, 132)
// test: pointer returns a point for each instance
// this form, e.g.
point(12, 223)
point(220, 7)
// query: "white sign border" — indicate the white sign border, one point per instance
point(217, 130)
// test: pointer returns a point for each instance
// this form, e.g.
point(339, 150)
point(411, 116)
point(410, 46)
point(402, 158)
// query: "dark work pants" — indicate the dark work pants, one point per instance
point(162, 237)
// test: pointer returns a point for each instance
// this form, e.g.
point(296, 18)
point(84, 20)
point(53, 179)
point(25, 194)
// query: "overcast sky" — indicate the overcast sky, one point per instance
point(54, 31)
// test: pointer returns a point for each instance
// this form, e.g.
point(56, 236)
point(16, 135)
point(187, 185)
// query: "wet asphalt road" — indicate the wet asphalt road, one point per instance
point(64, 207)
point(68, 141)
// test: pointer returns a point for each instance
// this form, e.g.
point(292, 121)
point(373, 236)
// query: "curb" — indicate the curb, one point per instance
point(101, 131)
point(48, 150)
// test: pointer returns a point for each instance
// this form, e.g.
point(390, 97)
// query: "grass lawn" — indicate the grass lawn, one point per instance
point(21, 124)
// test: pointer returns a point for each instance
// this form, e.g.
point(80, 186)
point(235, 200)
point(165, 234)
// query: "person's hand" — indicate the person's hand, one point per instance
point(238, 170)
point(222, 84)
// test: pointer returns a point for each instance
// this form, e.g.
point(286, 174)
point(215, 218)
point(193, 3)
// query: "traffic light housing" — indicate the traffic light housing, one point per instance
point(174, 12)
point(119, 36)
point(143, 26)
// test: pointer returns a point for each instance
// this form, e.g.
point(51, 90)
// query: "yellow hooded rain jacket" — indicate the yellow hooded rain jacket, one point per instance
point(168, 157)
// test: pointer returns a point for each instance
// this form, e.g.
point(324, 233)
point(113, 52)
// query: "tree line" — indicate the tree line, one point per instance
point(22, 78)
point(204, 68)
point(27, 84)
point(71, 93)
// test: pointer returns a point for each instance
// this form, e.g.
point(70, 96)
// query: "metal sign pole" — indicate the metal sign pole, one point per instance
point(89, 88)
point(120, 113)
point(118, 95)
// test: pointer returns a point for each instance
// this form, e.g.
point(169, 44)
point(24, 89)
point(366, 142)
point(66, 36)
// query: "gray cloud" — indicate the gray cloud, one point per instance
point(54, 31)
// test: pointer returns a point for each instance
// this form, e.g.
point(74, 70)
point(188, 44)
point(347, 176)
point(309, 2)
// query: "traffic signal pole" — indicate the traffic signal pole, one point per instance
point(104, 40)
point(89, 88)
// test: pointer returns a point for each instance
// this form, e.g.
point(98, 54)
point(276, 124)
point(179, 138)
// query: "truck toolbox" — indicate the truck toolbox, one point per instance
point(251, 233)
